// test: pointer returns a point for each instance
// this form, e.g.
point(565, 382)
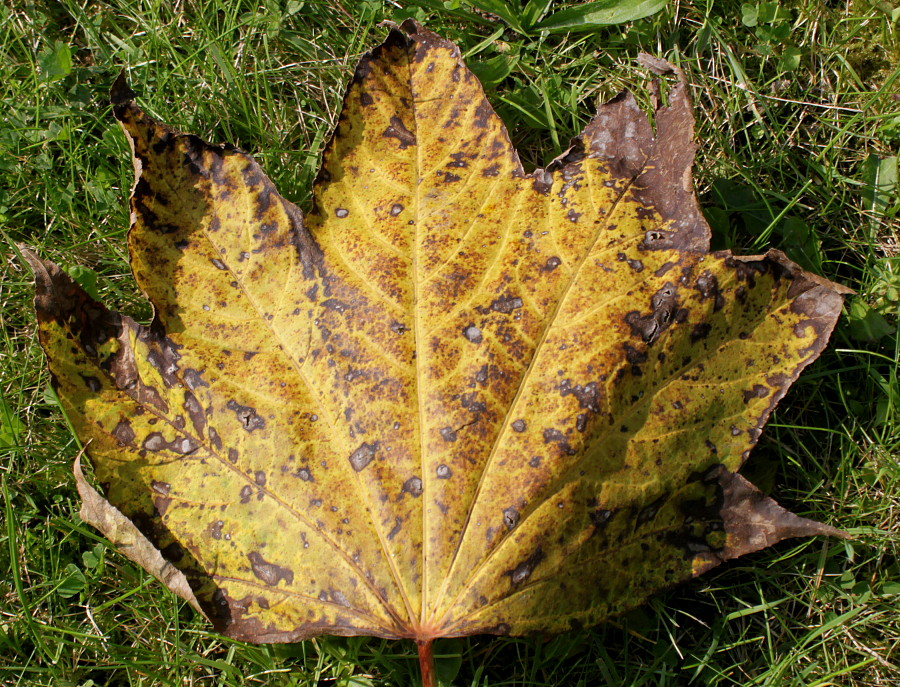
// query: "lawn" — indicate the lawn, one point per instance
point(798, 121)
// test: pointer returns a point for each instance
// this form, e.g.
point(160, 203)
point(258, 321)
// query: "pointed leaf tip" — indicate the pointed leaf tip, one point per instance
point(128, 539)
point(120, 92)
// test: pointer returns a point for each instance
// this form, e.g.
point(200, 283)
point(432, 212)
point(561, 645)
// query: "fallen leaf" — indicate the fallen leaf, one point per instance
point(453, 399)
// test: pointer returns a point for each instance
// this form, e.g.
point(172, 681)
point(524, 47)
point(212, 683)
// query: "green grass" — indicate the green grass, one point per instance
point(798, 124)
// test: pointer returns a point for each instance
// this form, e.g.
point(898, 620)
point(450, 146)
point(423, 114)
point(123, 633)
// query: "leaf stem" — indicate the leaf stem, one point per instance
point(426, 662)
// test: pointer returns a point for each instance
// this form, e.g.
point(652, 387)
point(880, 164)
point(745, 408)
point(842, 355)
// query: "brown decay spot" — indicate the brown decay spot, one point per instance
point(443, 472)
point(363, 455)
point(510, 517)
point(247, 416)
point(708, 287)
point(518, 425)
point(269, 573)
point(413, 487)
point(403, 135)
point(647, 513)
point(700, 331)
point(472, 333)
point(483, 115)
point(335, 304)
point(662, 314)
point(551, 264)
point(448, 434)
point(458, 160)
point(215, 529)
point(599, 517)
point(523, 570)
point(758, 391)
point(588, 396)
point(506, 304)
point(555, 436)
point(124, 433)
point(395, 530)
point(156, 442)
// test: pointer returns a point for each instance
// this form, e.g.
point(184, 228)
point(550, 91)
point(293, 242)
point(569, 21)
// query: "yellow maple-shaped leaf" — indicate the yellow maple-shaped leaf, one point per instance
point(455, 398)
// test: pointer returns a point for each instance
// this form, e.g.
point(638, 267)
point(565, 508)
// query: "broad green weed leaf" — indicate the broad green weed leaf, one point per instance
point(880, 184)
point(455, 398)
point(592, 15)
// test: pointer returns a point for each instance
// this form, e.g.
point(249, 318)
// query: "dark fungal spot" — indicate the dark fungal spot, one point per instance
point(758, 391)
point(443, 472)
point(92, 383)
point(362, 456)
point(600, 518)
point(232, 455)
point(339, 598)
point(365, 99)
point(304, 474)
point(647, 513)
point(413, 487)
point(193, 379)
point(154, 442)
point(215, 529)
point(269, 573)
point(588, 396)
point(458, 160)
point(218, 263)
point(260, 478)
point(663, 313)
point(246, 493)
point(510, 517)
point(472, 333)
point(448, 434)
point(551, 264)
point(396, 209)
point(397, 130)
point(160, 487)
point(341, 213)
point(700, 331)
point(124, 433)
point(335, 304)
point(482, 374)
point(395, 530)
point(506, 304)
point(551, 434)
point(247, 416)
point(573, 216)
point(518, 425)
point(708, 287)
point(524, 570)
point(535, 461)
